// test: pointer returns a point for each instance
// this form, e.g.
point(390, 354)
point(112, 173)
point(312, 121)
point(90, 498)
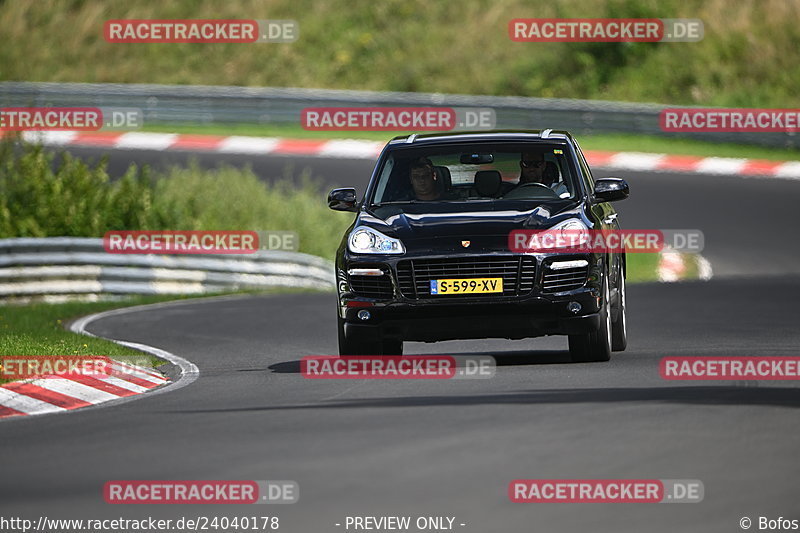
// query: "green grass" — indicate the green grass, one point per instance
point(38, 329)
point(748, 56)
point(609, 142)
point(642, 268)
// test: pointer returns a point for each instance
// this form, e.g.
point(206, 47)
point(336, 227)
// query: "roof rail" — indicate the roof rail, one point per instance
point(546, 133)
point(411, 138)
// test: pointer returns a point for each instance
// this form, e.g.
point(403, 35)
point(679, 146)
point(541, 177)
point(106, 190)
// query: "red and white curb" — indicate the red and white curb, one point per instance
point(341, 148)
point(672, 266)
point(692, 164)
point(50, 394)
point(360, 149)
point(129, 382)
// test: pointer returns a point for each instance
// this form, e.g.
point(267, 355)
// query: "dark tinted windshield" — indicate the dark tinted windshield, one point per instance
point(471, 173)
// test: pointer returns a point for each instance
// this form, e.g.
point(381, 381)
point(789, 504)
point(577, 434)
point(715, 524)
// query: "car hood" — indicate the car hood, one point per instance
point(484, 227)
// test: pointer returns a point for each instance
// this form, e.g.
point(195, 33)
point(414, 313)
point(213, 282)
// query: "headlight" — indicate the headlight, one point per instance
point(365, 240)
point(571, 224)
point(573, 231)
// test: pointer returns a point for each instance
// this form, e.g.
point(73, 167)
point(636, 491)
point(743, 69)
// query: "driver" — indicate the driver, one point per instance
point(531, 167)
point(534, 169)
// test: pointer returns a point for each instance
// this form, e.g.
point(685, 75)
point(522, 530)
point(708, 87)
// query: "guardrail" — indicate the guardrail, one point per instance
point(60, 268)
point(219, 104)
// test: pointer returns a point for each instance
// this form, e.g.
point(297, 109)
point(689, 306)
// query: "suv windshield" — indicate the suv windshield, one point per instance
point(475, 173)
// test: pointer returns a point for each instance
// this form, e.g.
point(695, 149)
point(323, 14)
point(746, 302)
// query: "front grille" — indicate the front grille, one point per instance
point(564, 280)
point(518, 273)
point(372, 286)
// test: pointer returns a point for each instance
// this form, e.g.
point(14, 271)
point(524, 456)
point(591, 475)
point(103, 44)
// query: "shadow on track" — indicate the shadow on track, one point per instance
point(725, 395)
point(505, 358)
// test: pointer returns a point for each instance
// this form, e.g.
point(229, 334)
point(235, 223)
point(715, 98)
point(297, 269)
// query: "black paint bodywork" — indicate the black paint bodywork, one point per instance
point(436, 232)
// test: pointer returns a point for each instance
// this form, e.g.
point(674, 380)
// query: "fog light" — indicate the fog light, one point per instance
point(364, 315)
point(574, 307)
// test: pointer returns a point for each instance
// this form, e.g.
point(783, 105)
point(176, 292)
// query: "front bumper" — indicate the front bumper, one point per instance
point(430, 319)
point(411, 324)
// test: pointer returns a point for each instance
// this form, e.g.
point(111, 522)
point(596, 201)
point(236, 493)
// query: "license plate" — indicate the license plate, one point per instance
point(466, 286)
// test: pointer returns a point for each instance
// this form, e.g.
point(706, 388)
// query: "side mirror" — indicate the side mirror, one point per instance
point(343, 200)
point(611, 189)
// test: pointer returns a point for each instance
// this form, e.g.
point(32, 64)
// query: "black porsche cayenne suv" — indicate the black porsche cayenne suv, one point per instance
point(427, 257)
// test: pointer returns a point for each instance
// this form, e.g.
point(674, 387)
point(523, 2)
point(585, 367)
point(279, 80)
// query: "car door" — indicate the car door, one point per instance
point(604, 214)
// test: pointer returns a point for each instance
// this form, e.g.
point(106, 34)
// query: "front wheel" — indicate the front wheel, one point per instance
point(353, 345)
point(619, 327)
point(595, 346)
point(392, 347)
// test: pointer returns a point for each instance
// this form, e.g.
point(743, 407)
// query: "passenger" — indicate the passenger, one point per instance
point(424, 180)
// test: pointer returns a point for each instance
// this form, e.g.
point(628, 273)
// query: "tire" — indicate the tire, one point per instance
point(392, 347)
point(596, 346)
point(619, 327)
point(352, 345)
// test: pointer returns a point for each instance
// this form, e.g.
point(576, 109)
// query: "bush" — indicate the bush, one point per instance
point(44, 195)
point(230, 198)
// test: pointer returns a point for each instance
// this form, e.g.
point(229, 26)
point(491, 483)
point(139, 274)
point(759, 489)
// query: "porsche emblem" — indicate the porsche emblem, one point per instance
point(466, 244)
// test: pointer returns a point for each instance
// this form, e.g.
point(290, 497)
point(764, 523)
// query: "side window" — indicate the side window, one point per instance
point(588, 179)
point(384, 179)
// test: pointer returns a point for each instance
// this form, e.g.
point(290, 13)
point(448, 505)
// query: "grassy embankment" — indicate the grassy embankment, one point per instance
point(747, 58)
